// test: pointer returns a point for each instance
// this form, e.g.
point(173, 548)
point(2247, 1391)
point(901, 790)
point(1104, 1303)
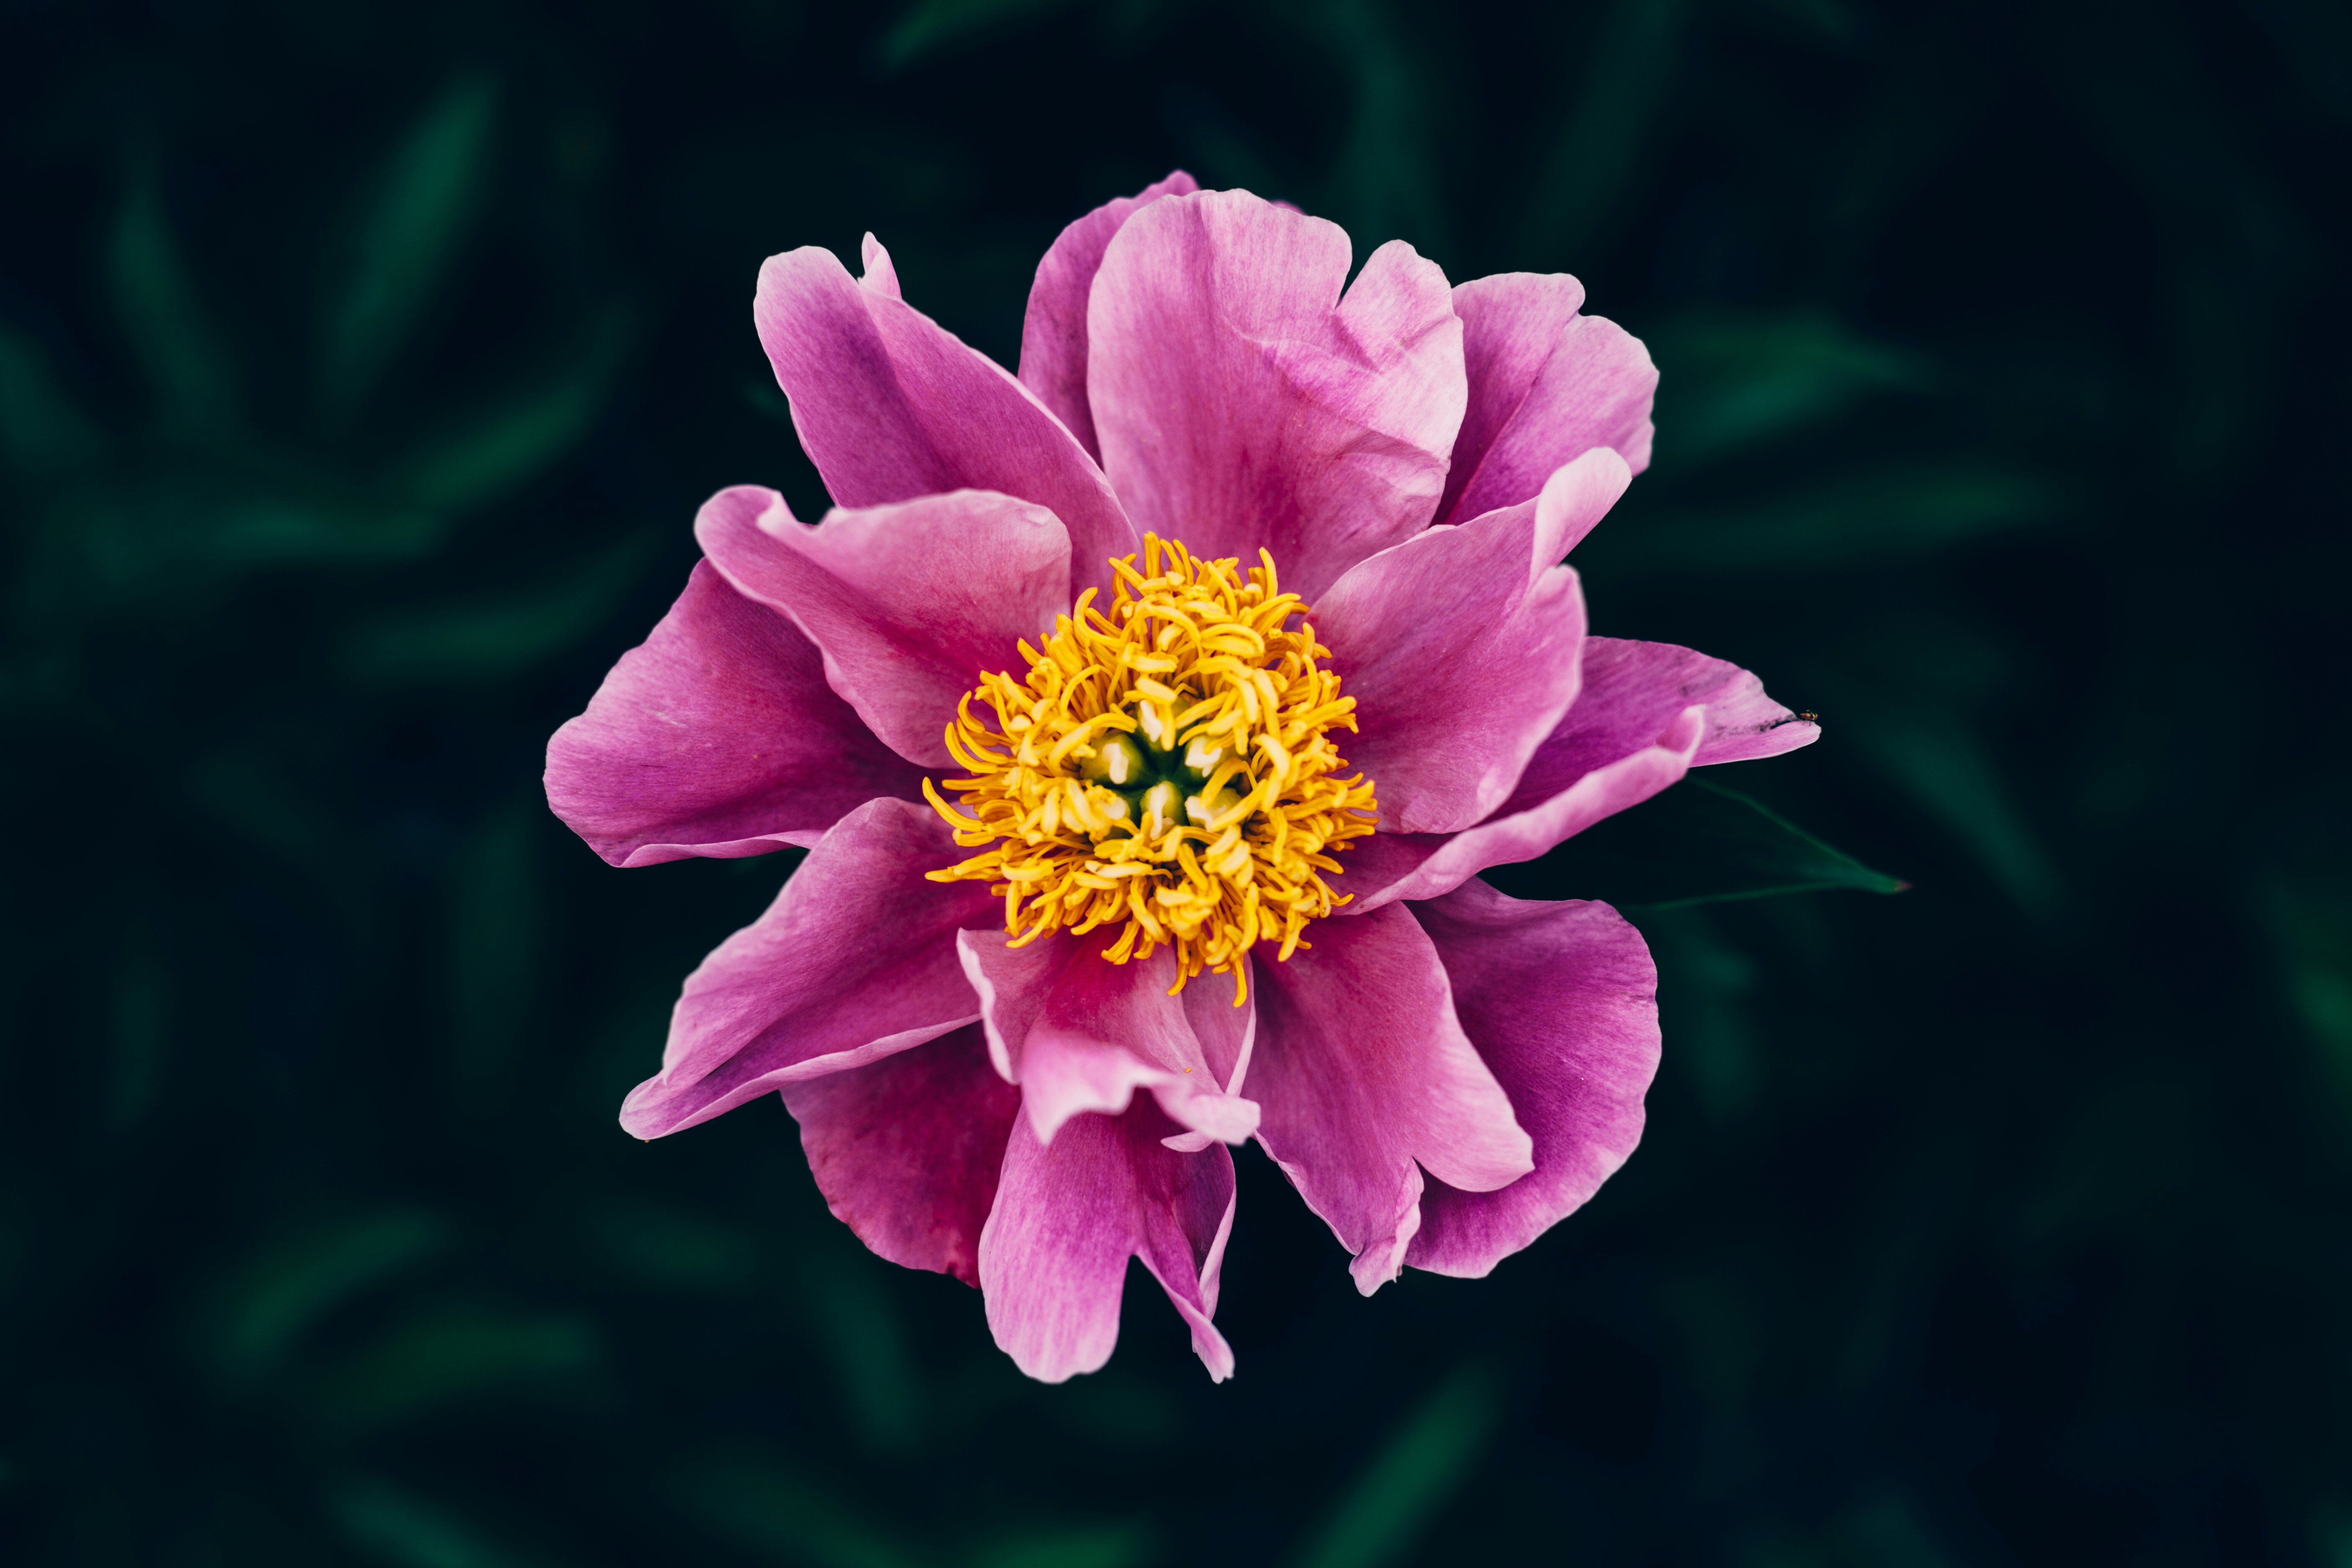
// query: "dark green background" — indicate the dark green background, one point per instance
point(360, 367)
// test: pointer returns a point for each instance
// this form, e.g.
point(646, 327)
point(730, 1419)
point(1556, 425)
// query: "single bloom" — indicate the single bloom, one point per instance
point(1147, 719)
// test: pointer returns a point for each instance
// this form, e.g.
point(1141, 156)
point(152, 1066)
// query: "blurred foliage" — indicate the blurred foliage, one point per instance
point(360, 369)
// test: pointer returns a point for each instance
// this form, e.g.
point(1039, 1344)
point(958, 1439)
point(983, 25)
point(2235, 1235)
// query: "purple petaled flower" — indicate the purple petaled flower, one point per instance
point(1147, 719)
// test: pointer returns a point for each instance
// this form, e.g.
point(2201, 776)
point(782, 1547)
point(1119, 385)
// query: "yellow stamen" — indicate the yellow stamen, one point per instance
point(1165, 766)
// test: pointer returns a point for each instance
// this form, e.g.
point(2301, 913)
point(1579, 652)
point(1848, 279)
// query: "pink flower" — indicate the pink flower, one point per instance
point(1086, 702)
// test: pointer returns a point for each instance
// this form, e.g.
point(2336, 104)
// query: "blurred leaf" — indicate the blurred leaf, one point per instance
point(1629, 65)
point(497, 930)
point(1413, 1477)
point(870, 1356)
point(398, 1527)
point(1387, 182)
point(482, 644)
point(194, 387)
point(452, 1353)
point(766, 1505)
point(671, 1247)
point(408, 236)
point(2312, 926)
point(1706, 1005)
point(1697, 843)
point(509, 445)
point(1081, 1546)
point(271, 1302)
point(931, 25)
point(1732, 382)
point(40, 429)
point(1848, 525)
point(1946, 766)
point(138, 1018)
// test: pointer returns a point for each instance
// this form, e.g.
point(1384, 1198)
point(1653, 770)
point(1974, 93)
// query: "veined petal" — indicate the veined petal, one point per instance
point(717, 737)
point(1546, 385)
point(1081, 1034)
point(907, 1149)
point(1633, 689)
point(1068, 1215)
point(1053, 332)
point(1462, 648)
point(908, 604)
point(853, 961)
point(1241, 402)
point(1367, 1078)
point(1648, 714)
point(1394, 866)
point(890, 406)
point(1561, 1001)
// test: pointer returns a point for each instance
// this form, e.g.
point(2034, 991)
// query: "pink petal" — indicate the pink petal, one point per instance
point(1068, 1215)
point(1389, 866)
point(1079, 1033)
point(1561, 1001)
point(717, 736)
point(891, 407)
point(908, 604)
point(1648, 712)
point(1633, 689)
point(1547, 385)
point(853, 961)
point(906, 1148)
point(1366, 1077)
point(1054, 333)
point(1241, 402)
point(1461, 648)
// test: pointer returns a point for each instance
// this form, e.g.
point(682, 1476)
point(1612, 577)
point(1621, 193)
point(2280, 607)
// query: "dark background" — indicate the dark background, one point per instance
point(360, 367)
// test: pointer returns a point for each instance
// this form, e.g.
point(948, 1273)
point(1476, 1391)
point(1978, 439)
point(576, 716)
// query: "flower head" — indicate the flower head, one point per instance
point(1230, 638)
point(1167, 769)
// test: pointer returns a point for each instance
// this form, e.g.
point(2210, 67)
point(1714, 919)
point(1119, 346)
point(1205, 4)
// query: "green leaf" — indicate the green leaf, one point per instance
point(930, 26)
point(1380, 1520)
point(395, 1525)
point(772, 1509)
point(508, 445)
point(408, 239)
point(268, 1305)
point(479, 644)
point(1847, 525)
point(1735, 381)
point(40, 429)
point(453, 1353)
point(195, 386)
point(1697, 843)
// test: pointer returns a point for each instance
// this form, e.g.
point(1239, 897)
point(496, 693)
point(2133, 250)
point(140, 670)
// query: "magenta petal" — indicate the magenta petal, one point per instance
point(1632, 689)
point(1460, 647)
point(1239, 402)
point(855, 960)
point(1068, 1215)
point(1054, 333)
point(1561, 1001)
point(907, 1149)
point(1389, 866)
point(1079, 1033)
point(1547, 385)
point(890, 406)
point(1647, 713)
point(908, 604)
point(717, 736)
point(1366, 1077)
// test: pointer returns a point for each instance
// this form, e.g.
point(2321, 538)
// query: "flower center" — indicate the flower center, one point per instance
point(1168, 766)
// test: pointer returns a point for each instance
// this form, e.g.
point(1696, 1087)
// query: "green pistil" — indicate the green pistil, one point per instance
point(1158, 780)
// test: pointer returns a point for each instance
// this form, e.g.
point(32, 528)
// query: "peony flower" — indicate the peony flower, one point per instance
point(1147, 719)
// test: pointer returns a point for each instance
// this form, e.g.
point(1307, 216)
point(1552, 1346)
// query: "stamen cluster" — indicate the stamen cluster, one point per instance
point(1168, 765)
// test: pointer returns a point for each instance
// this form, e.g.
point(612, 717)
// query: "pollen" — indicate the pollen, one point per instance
point(1167, 767)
